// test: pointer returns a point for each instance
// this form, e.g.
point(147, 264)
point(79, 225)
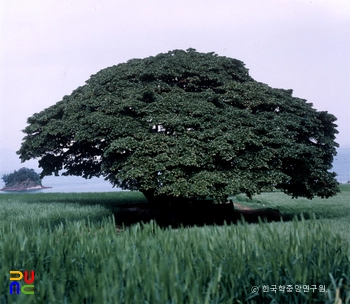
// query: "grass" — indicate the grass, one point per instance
point(337, 206)
point(84, 262)
point(101, 198)
point(334, 211)
point(55, 208)
point(70, 239)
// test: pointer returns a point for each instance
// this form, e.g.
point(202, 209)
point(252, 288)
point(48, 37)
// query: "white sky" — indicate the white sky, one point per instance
point(48, 48)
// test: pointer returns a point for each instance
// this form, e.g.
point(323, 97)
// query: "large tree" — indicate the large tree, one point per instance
point(185, 125)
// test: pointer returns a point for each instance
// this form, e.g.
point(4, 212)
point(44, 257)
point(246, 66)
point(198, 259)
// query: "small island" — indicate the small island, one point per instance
point(22, 180)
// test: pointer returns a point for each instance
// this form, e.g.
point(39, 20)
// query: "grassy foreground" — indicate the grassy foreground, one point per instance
point(333, 212)
point(71, 242)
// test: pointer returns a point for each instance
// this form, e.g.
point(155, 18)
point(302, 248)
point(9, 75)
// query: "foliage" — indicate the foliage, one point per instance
point(21, 176)
point(186, 125)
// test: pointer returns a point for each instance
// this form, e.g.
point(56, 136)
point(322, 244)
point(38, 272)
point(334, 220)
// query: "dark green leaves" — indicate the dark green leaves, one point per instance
point(186, 124)
point(20, 176)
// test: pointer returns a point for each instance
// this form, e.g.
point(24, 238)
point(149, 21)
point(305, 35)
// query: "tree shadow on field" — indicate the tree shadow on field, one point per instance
point(132, 207)
point(197, 214)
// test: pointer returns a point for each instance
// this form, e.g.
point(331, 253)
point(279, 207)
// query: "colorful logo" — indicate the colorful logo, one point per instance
point(16, 288)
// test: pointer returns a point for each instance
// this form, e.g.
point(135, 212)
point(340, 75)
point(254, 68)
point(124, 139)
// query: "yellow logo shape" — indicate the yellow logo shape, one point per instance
point(14, 278)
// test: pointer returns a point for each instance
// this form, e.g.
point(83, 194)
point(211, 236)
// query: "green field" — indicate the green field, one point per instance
point(71, 241)
point(333, 212)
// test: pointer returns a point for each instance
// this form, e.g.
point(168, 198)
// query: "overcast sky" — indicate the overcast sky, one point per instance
point(49, 48)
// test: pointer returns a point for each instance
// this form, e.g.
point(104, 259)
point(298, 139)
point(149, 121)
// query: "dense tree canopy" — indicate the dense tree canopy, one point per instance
point(21, 176)
point(186, 124)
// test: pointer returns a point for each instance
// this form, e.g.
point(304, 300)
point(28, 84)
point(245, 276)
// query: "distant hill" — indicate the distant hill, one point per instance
point(22, 180)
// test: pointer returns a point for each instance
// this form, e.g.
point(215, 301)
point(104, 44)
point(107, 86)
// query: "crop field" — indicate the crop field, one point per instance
point(79, 255)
